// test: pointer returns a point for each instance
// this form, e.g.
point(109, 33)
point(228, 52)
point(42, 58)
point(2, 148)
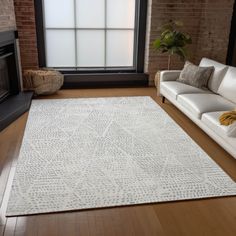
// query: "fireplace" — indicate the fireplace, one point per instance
point(4, 78)
point(9, 81)
point(13, 102)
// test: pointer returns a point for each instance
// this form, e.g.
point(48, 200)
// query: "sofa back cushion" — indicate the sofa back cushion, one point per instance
point(227, 88)
point(218, 74)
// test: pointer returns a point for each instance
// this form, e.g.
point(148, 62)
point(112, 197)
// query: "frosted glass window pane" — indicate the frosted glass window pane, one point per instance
point(120, 44)
point(60, 48)
point(59, 13)
point(120, 13)
point(90, 13)
point(91, 48)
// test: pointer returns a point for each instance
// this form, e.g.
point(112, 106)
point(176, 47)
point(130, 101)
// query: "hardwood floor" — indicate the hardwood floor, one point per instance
point(198, 217)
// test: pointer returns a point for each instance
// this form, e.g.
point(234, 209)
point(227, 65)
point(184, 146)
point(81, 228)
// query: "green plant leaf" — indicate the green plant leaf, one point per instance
point(182, 53)
point(172, 40)
point(163, 34)
point(157, 43)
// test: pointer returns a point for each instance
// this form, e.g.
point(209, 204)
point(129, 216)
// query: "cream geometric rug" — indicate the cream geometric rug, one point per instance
point(103, 152)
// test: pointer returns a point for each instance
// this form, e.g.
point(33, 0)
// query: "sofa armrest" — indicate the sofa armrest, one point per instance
point(169, 75)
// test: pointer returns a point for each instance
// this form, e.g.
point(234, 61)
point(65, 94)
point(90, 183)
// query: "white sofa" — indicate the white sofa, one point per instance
point(204, 107)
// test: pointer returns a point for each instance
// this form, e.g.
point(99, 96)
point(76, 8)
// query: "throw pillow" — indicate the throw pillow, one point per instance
point(228, 118)
point(195, 76)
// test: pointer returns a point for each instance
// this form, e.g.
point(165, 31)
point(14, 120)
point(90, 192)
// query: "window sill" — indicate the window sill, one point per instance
point(105, 80)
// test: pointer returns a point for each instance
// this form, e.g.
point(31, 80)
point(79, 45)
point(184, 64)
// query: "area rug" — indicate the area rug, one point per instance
point(105, 152)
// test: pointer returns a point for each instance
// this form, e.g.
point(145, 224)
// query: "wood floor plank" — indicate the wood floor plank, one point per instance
point(117, 222)
point(27, 226)
point(66, 224)
point(3, 182)
point(95, 223)
point(20, 229)
point(82, 223)
point(220, 212)
point(47, 225)
point(108, 222)
point(2, 228)
point(10, 226)
point(149, 221)
point(6, 157)
point(211, 217)
point(180, 218)
point(126, 222)
point(10, 142)
point(3, 219)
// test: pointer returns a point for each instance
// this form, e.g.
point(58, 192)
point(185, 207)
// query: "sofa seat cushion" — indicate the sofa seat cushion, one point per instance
point(174, 88)
point(198, 104)
point(211, 120)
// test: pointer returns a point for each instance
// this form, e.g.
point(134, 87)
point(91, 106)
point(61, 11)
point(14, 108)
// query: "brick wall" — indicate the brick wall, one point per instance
point(25, 22)
point(7, 16)
point(207, 21)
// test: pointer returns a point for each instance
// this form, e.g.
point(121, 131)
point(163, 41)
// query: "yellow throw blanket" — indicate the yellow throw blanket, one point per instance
point(228, 118)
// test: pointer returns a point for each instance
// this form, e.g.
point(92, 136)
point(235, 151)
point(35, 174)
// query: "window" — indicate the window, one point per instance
point(90, 33)
point(231, 56)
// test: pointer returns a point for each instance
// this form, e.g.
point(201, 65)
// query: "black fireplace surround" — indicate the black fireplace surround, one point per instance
point(13, 102)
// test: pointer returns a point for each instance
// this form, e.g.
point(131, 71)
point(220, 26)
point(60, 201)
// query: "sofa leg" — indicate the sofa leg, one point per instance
point(163, 99)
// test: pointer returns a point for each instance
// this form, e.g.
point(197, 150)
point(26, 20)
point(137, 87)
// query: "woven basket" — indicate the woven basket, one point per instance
point(43, 82)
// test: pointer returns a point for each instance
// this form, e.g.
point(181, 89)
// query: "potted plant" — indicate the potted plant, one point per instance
point(173, 41)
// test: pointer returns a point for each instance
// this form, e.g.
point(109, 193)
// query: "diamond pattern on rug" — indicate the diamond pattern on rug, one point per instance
point(103, 152)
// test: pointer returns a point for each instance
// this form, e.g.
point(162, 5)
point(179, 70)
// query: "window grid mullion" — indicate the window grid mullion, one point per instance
point(44, 30)
point(75, 31)
point(136, 23)
point(105, 36)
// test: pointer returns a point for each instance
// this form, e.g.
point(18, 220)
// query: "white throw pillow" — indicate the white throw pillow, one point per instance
point(227, 88)
point(218, 74)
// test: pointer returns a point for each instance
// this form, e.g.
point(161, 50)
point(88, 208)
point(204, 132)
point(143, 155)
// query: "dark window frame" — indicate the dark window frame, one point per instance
point(140, 35)
point(231, 55)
